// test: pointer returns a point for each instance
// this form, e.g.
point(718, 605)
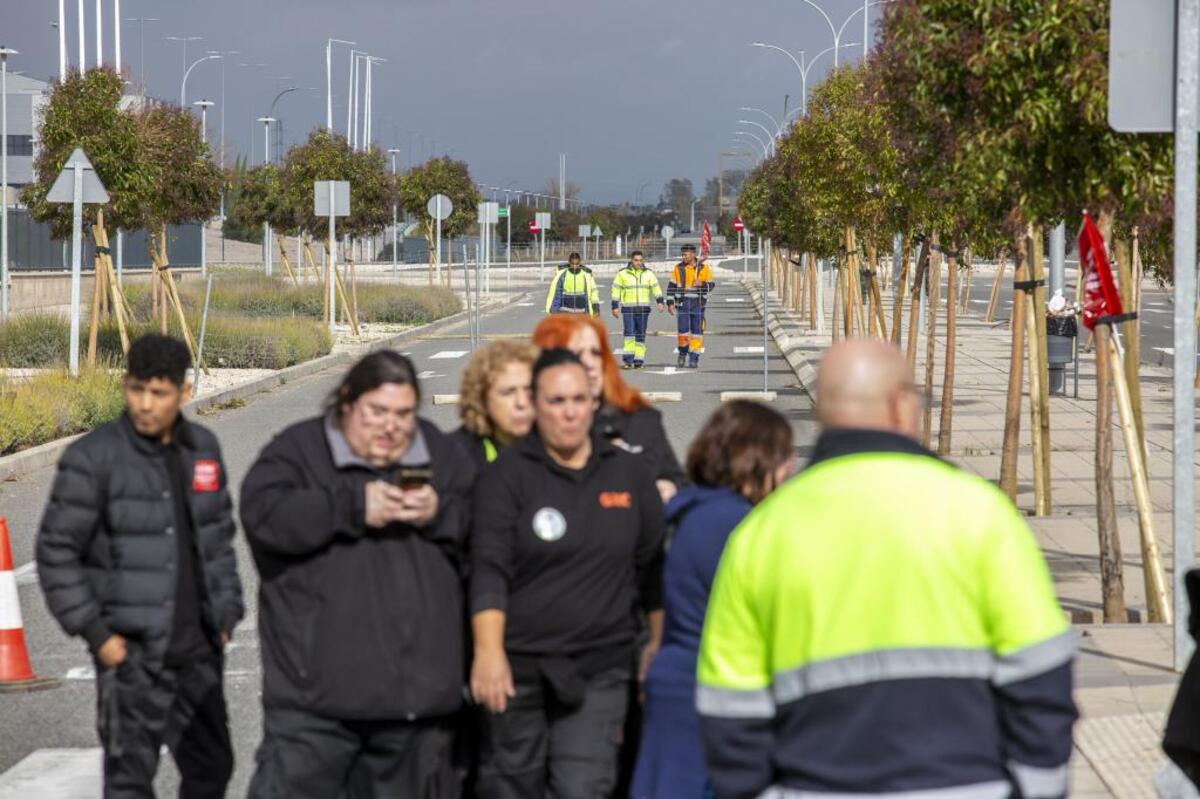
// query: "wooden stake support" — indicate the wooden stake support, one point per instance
point(1112, 581)
point(994, 297)
point(934, 282)
point(898, 299)
point(920, 281)
point(1012, 405)
point(946, 420)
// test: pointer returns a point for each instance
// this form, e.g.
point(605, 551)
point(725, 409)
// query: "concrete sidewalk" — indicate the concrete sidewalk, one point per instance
point(1125, 681)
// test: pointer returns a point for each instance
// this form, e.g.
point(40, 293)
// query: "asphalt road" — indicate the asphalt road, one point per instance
point(48, 726)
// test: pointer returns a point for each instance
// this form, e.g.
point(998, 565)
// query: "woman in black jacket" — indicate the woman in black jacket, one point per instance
point(356, 520)
point(495, 401)
point(568, 536)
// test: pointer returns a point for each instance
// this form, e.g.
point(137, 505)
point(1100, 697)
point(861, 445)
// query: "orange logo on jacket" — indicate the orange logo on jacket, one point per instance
point(616, 499)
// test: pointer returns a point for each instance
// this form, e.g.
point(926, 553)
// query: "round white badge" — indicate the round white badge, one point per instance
point(549, 524)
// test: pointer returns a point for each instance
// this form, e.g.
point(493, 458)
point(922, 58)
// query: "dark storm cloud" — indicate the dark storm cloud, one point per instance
point(632, 90)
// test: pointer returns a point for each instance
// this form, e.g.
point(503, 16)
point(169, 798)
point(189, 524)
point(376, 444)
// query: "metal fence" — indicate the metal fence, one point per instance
point(31, 248)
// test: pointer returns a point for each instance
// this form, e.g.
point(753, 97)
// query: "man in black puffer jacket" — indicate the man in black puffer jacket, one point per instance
point(135, 555)
point(357, 520)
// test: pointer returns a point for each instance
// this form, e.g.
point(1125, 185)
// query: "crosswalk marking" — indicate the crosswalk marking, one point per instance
point(1167, 350)
point(426, 375)
point(55, 774)
point(447, 354)
point(747, 350)
point(735, 299)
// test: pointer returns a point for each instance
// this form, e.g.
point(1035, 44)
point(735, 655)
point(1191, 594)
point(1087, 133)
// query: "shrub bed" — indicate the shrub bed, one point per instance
point(53, 405)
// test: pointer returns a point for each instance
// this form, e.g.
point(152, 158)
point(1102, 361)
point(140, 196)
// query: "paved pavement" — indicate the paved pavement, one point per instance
point(1125, 681)
point(47, 739)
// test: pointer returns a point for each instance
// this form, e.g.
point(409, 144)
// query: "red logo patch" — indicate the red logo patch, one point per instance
point(206, 476)
point(615, 499)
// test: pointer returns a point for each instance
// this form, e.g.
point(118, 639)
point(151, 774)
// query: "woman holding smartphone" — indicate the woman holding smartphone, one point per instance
point(356, 519)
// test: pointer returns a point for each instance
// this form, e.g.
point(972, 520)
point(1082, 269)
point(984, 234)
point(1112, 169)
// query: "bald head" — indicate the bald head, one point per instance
point(865, 383)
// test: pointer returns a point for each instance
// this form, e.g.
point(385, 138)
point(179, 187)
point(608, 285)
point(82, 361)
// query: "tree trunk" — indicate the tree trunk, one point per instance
point(934, 283)
point(1038, 264)
point(914, 313)
point(1112, 583)
point(898, 299)
point(946, 422)
point(994, 297)
point(814, 274)
point(1127, 277)
point(837, 302)
point(1012, 407)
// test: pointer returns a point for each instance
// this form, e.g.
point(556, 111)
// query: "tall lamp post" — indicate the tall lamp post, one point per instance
point(329, 80)
point(803, 67)
point(184, 41)
point(837, 32)
point(763, 128)
point(183, 85)
point(5, 52)
point(141, 21)
point(266, 123)
point(204, 105)
point(393, 151)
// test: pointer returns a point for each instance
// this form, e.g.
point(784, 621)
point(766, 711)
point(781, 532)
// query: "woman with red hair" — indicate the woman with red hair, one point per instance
point(624, 415)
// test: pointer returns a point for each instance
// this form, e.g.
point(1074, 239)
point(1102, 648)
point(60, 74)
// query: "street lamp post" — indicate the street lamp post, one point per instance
point(62, 40)
point(803, 67)
point(5, 52)
point(183, 84)
point(141, 21)
point(778, 126)
point(329, 80)
point(266, 123)
point(766, 153)
point(763, 128)
point(392, 151)
point(204, 105)
point(271, 113)
point(837, 32)
point(99, 33)
point(184, 40)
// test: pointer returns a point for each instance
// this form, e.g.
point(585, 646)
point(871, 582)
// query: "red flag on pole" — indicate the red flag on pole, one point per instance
point(705, 241)
point(1100, 297)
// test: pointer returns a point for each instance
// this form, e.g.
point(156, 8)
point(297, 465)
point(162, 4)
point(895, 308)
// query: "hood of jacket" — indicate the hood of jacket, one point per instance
point(694, 497)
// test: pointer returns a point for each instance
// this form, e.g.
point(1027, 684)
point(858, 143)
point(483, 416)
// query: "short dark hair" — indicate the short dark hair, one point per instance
point(154, 355)
point(552, 358)
point(372, 371)
point(635, 254)
point(573, 256)
point(688, 248)
point(740, 445)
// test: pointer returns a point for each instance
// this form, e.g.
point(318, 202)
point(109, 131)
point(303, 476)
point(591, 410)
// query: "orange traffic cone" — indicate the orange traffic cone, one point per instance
point(15, 672)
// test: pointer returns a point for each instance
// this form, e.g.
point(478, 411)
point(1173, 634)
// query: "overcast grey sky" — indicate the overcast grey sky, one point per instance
point(631, 90)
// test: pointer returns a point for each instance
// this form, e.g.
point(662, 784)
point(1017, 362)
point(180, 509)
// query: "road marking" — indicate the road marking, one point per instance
point(761, 396)
point(81, 673)
point(670, 370)
point(663, 396)
point(735, 299)
point(523, 304)
point(447, 354)
point(1167, 350)
point(445, 399)
point(1164, 313)
point(427, 375)
point(980, 302)
point(747, 350)
point(55, 774)
point(27, 574)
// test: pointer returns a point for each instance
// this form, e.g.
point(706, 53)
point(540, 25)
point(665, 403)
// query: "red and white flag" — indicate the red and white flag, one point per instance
point(705, 241)
point(1100, 297)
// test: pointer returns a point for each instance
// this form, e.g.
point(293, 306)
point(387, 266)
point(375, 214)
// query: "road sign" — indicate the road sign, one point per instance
point(738, 224)
point(341, 197)
point(533, 226)
point(585, 231)
point(489, 213)
point(596, 231)
point(439, 207)
point(667, 232)
point(63, 190)
point(1141, 66)
point(543, 220)
point(504, 212)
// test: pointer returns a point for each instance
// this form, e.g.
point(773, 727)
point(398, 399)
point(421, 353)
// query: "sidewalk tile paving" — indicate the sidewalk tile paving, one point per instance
point(1125, 682)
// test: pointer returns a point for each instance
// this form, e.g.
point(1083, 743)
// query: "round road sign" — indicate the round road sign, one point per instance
point(738, 224)
point(439, 207)
point(667, 231)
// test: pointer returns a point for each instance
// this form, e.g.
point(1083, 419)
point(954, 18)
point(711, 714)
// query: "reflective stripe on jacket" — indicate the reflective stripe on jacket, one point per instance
point(689, 281)
point(573, 291)
point(885, 622)
point(636, 288)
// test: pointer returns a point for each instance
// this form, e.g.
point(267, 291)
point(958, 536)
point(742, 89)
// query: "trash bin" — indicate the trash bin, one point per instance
point(1061, 332)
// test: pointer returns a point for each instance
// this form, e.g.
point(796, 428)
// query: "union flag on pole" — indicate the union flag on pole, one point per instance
point(1100, 297)
point(705, 241)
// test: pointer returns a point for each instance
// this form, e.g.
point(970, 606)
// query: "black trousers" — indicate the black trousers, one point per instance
point(306, 756)
point(540, 748)
point(140, 709)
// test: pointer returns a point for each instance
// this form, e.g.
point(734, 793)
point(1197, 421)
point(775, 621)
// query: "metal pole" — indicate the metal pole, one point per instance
point(395, 224)
point(200, 344)
point(329, 85)
point(437, 257)
point(332, 246)
point(267, 225)
point(542, 265)
point(1058, 258)
point(766, 308)
point(62, 40)
point(120, 258)
point(508, 246)
point(1187, 95)
point(866, 29)
point(3, 184)
point(82, 48)
point(117, 33)
point(204, 224)
point(76, 265)
point(99, 34)
point(350, 97)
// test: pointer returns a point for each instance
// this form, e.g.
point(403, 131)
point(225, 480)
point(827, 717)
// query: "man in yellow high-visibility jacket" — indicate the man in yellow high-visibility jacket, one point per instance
point(573, 289)
point(884, 623)
point(635, 288)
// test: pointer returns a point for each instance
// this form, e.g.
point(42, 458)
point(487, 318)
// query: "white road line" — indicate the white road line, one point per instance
point(761, 396)
point(663, 396)
point(735, 299)
point(55, 774)
point(1167, 350)
point(445, 399)
point(27, 574)
point(747, 350)
point(426, 375)
point(1153, 310)
point(81, 673)
point(447, 354)
point(524, 304)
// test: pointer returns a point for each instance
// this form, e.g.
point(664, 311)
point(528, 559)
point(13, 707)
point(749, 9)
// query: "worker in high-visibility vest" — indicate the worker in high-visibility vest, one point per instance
point(634, 290)
point(884, 623)
point(573, 289)
point(687, 292)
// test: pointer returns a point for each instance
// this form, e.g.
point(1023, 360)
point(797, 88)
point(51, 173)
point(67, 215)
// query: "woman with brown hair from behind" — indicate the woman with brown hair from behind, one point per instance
point(743, 452)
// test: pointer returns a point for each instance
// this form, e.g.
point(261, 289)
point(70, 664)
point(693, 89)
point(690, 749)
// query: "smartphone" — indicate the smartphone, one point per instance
point(412, 477)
